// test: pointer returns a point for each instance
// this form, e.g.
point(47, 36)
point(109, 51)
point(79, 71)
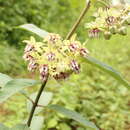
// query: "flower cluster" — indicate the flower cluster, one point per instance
point(54, 56)
point(110, 21)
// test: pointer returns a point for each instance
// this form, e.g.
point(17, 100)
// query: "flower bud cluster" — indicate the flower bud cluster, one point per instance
point(109, 21)
point(54, 56)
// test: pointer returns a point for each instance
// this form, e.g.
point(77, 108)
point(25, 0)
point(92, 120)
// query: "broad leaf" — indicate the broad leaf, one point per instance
point(34, 29)
point(14, 86)
point(108, 69)
point(2, 127)
point(20, 127)
point(73, 115)
point(4, 79)
point(44, 100)
point(37, 123)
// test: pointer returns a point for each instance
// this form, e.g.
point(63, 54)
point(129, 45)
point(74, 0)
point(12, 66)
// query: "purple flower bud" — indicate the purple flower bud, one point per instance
point(32, 66)
point(29, 48)
point(94, 32)
point(75, 66)
point(84, 52)
point(51, 56)
point(73, 46)
point(43, 72)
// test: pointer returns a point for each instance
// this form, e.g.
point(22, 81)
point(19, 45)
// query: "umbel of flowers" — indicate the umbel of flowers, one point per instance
point(110, 21)
point(54, 56)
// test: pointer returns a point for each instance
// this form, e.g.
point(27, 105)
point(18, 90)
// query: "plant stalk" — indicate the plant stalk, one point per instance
point(35, 104)
point(78, 20)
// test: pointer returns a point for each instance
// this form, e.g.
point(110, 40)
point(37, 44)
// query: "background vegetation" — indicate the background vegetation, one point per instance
point(92, 93)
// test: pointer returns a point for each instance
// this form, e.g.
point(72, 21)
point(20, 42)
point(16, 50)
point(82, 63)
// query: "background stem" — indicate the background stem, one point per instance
point(78, 21)
point(35, 104)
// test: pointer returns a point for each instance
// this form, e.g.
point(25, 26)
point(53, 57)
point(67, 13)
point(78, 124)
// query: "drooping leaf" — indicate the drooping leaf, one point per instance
point(44, 100)
point(73, 115)
point(33, 28)
point(37, 123)
point(4, 79)
point(14, 86)
point(106, 68)
point(3, 127)
point(20, 127)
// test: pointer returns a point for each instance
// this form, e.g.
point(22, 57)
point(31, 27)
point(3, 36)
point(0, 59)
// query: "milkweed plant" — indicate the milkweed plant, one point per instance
point(55, 57)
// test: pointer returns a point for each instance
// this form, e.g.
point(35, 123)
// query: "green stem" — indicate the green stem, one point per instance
point(78, 21)
point(35, 104)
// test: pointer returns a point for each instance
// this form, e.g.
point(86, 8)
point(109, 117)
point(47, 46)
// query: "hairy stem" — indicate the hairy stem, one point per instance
point(35, 104)
point(78, 21)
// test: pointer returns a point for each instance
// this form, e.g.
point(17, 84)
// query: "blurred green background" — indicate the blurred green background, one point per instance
point(92, 93)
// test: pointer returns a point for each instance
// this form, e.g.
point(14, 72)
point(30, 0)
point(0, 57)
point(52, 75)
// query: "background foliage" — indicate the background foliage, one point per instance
point(92, 93)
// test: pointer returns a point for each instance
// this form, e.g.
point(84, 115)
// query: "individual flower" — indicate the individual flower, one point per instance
point(54, 56)
point(29, 48)
point(73, 47)
point(32, 66)
point(44, 70)
point(110, 20)
point(27, 57)
point(75, 66)
point(50, 56)
point(52, 38)
point(83, 52)
point(94, 32)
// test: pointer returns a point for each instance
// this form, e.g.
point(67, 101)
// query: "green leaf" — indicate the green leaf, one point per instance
point(14, 86)
point(44, 100)
point(37, 123)
point(4, 79)
point(73, 115)
point(52, 123)
point(108, 69)
point(34, 29)
point(20, 127)
point(2, 127)
point(64, 126)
